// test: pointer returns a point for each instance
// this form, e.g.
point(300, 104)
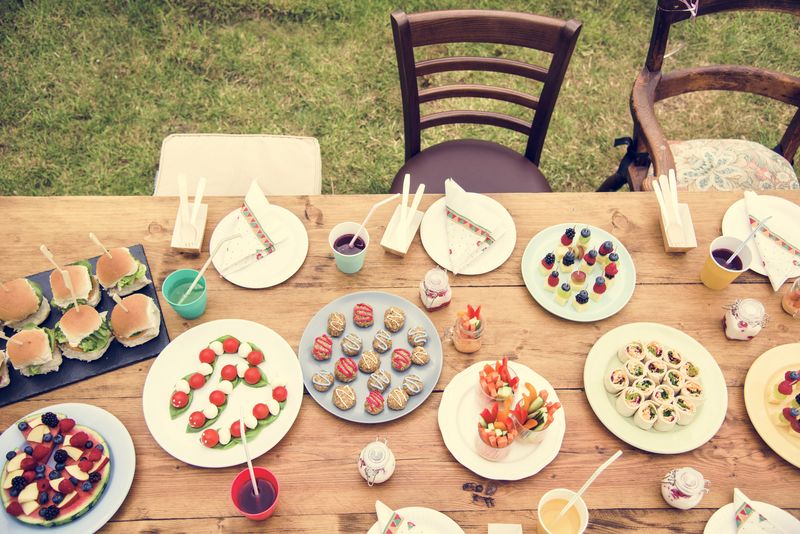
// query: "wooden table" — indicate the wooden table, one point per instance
point(322, 491)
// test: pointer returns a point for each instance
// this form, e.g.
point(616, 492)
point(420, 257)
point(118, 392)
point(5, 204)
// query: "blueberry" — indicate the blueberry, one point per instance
point(47, 438)
point(74, 481)
point(54, 475)
point(23, 426)
point(89, 444)
point(39, 476)
point(58, 497)
point(86, 486)
point(28, 449)
point(60, 466)
point(40, 468)
point(10, 454)
point(43, 497)
point(13, 492)
point(100, 447)
point(58, 440)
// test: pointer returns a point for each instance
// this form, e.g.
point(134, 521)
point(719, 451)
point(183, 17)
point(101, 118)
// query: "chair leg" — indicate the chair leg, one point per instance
point(612, 183)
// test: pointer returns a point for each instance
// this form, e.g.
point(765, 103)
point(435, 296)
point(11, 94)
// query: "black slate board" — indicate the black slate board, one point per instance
point(71, 371)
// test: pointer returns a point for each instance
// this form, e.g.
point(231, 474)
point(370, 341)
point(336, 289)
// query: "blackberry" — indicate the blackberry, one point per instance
point(50, 419)
point(89, 444)
point(58, 497)
point(10, 455)
point(19, 483)
point(95, 477)
point(569, 232)
point(60, 456)
point(86, 486)
point(59, 439)
point(49, 513)
point(23, 426)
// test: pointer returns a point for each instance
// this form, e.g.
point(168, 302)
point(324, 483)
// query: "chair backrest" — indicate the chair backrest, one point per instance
point(782, 87)
point(546, 34)
point(283, 165)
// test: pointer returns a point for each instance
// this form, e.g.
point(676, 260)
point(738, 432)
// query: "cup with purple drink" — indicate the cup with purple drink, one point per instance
point(349, 259)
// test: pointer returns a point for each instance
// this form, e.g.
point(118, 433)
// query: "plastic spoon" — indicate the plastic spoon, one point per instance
point(243, 432)
point(371, 211)
point(596, 474)
point(740, 248)
point(205, 265)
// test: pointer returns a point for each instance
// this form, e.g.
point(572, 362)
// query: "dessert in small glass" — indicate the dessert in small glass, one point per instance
point(468, 329)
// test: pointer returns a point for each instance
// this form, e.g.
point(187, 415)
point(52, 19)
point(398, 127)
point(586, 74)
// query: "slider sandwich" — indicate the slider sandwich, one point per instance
point(87, 291)
point(121, 273)
point(83, 333)
point(33, 351)
point(22, 303)
point(139, 324)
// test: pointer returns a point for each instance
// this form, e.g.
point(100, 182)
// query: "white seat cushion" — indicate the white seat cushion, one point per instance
point(283, 165)
point(728, 165)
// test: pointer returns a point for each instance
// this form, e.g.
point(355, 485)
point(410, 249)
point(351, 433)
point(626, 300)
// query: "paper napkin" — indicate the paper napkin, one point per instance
point(777, 244)
point(748, 519)
point(471, 229)
point(503, 528)
point(260, 233)
point(392, 522)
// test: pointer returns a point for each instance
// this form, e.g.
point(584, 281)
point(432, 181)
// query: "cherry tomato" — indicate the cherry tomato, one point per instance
point(209, 438)
point(255, 357)
point(217, 398)
point(180, 399)
point(207, 356)
point(228, 372)
point(196, 381)
point(236, 429)
point(252, 375)
point(230, 345)
point(260, 411)
point(197, 419)
point(279, 393)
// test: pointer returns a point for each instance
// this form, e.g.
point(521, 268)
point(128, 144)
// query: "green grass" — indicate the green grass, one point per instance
point(88, 90)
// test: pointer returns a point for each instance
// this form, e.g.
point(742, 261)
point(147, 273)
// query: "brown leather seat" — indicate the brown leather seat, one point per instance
point(479, 166)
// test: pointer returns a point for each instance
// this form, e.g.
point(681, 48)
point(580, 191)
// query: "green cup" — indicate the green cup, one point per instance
point(348, 263)
point(176, 285)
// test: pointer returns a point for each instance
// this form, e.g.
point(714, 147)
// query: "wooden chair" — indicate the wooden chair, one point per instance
point(479, 165)
point(704, 164)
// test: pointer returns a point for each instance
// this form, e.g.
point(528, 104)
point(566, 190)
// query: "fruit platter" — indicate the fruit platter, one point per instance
point(501, 420)
point(63, 469)
point(210, 380)
point(655, 388)
point(578, 272)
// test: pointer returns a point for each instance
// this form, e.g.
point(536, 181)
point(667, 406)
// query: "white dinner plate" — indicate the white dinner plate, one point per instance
point(458, 422)
point(724, 520)
point(426, 519)
point(615, 298)
point(433, 233)
point(273, 269)
point(735, 223)
point(123, 466)
point(181, 358)
point(602, 359)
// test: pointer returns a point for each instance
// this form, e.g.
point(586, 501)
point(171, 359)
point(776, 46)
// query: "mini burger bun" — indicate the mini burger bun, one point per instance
point(18, 301)
point(79, 322)
point(35, 348)
point(81, 280)
point(142, 317)
point(111, 270)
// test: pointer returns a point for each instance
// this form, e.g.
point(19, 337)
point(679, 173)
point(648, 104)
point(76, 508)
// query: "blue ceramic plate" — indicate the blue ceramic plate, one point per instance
point(380, 302)
point(123, 465)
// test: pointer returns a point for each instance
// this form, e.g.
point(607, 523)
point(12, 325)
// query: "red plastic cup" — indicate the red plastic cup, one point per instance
point(261, 474)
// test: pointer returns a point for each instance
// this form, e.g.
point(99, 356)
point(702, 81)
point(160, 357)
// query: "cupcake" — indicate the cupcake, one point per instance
point(322, 381)
point(345, 370)
point(382, 341)
point(374, 403)
point(362, 315)
point(344, 397)
point(417, 336)
point(379, 381)
point(412, 384)
point(397, 399)
point(351, 344)
point(336, 324)
point(394, 319)
point(323, 347)
point(369, 362)
point(419, 356)
point(401, 359)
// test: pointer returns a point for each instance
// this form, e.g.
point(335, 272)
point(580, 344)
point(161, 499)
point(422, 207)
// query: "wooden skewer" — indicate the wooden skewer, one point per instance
point(118, 300)
point(99, 244)
point(68, 283)
point(10, 340)
point(49, 255)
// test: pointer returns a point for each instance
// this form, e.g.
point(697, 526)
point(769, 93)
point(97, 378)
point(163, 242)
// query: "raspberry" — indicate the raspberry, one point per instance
point(43, 484)
point(50, 419)
point(94, 455)
point(14, 509)
point(28, 464)
point(66, 487)
point(41, 452)
point(85, 465)
point(65, 425)
point(79, 440)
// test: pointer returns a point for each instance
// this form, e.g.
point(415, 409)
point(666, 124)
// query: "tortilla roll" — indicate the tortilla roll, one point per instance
point(667, 418)
point(629, 401)
point(686, 409)
point(645, 417)
point(616, 381)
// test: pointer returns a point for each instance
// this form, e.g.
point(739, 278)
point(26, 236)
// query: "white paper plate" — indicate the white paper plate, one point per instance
point(615, 298)
point(433, 233)
point(181, 358)
point(123, 466)
point(724, 520)
point(425, 518)
point(603, 358)
point(273, 269)
point(735, 224)
point(458, 418)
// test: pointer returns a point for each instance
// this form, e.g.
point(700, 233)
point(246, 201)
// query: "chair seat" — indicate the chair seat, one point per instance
point(477, 166)
point(729, 165)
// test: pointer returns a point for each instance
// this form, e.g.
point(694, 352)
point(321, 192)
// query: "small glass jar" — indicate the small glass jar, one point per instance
point(434, 289)
point(791, 300)
point(684, 488)
point(466, 341)
point(744, 319)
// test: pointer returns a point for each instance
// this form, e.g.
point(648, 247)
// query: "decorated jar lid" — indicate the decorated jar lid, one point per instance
point(376, 462)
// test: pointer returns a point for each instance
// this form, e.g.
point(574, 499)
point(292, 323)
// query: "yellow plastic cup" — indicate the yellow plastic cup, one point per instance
point(574, 522)
point(715, 276)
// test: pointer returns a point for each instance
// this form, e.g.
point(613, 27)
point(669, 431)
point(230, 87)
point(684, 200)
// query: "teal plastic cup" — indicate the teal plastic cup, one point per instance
point(348, 263)
point(176, 285)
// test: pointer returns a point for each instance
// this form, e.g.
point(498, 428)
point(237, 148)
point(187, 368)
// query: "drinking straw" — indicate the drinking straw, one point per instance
point(119, 302)
point(206, 264)
point(99, 244)
point(14, 341)
point(371, 211)
point(243, 432)
point(596, 474)
point(740, 248)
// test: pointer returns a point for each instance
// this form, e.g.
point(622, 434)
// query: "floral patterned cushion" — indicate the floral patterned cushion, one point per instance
point(730, 164)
